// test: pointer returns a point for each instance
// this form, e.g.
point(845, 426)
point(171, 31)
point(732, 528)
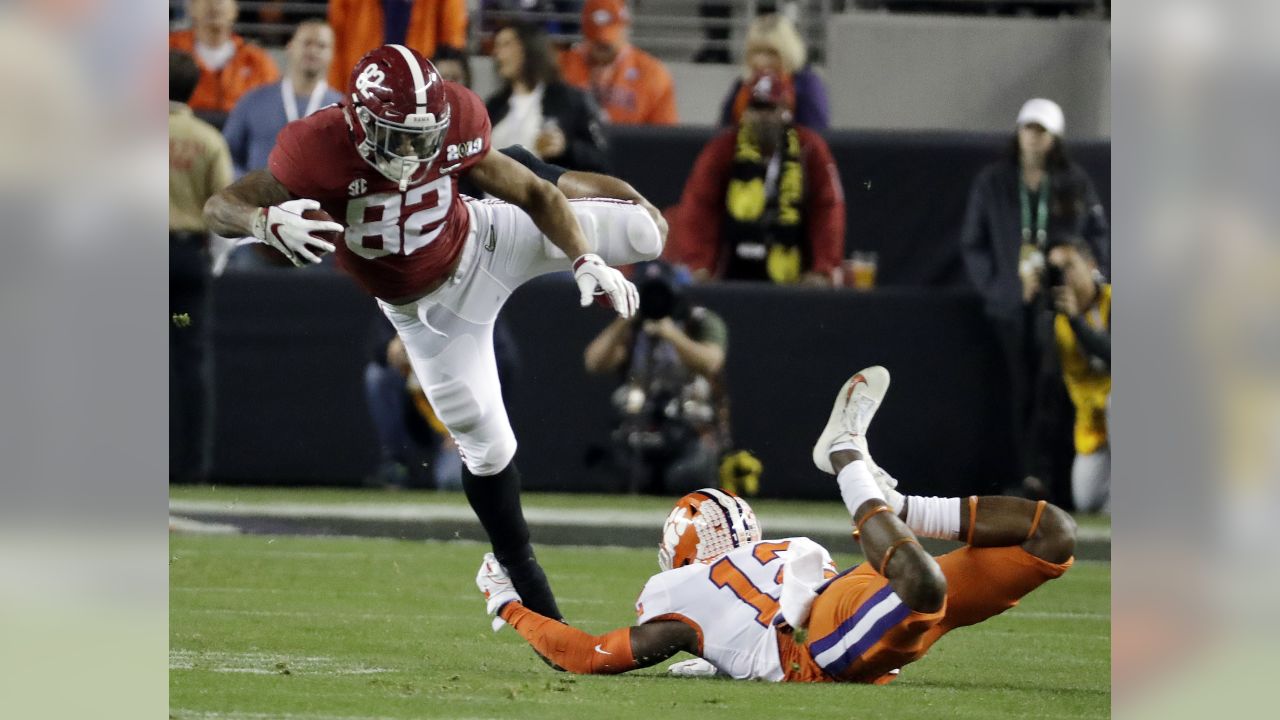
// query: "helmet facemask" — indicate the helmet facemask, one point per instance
point(402, 151)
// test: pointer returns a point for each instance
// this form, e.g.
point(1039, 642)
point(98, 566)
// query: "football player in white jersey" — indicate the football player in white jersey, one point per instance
point(777, 610)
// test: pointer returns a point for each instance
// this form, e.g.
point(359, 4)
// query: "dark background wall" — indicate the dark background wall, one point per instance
point(291, 346)
point(291, 350)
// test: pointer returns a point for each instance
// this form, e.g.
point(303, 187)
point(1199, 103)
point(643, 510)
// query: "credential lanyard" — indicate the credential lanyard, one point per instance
point(1041, 224)
point(291, 100)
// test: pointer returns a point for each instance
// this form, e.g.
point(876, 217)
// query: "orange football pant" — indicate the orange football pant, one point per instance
point(570, 648)
point(859, 630)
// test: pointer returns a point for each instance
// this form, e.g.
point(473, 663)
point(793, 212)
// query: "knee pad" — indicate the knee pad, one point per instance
point(488, 453)
point(455, 405)
point(642, 234)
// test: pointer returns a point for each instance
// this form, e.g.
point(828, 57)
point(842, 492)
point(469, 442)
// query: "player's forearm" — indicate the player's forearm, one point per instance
point(229, 216)
point(569, 647)
point(231, 211)
point(550, 211)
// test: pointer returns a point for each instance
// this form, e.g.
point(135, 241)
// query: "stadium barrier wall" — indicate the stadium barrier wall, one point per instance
point(290, 351)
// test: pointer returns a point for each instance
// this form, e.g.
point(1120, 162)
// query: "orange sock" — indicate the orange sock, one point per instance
point(569, 647)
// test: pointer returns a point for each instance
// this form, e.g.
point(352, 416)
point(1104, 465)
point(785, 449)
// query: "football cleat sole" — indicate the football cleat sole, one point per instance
point(855, 406)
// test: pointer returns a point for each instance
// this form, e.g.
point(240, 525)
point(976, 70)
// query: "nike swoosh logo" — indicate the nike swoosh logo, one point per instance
point(602, 651)
point(276, 232)
point(857, 380)
point(450, 168)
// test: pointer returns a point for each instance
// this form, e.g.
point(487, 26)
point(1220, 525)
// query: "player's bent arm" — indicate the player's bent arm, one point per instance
point(614, 652)
point(231, 211)
point(512, 182)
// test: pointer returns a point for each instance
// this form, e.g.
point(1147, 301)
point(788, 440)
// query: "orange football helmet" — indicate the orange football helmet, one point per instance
point(704, 525)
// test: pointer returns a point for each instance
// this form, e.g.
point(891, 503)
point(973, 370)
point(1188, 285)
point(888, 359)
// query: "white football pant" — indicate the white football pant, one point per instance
point(448, 334)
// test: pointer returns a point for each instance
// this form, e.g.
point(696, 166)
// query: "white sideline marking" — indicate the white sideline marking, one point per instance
point(779, 524)
point(265, 664)
point(195, 527)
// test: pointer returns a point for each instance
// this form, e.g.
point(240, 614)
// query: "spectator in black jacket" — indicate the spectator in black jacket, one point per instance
point(1017, 205)
point(534, 108)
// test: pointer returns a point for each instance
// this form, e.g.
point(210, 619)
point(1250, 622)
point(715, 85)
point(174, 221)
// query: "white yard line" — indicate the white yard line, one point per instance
point(778, 525)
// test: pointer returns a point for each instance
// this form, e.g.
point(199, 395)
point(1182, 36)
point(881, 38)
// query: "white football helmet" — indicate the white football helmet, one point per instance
point(704, 525)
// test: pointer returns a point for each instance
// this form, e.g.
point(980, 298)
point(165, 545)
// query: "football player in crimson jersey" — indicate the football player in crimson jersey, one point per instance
point(386, 163)
point(777, 610)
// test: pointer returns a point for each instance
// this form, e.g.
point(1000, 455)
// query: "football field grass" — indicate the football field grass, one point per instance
point(320, 628)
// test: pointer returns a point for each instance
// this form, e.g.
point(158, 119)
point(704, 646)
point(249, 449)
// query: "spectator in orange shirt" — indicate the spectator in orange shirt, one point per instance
point(229, 66)
point(630, 85)
point(764, 200)
point(362, 25)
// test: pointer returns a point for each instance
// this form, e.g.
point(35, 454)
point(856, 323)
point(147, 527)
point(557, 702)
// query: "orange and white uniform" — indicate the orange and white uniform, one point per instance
point(858, 629)
point(731, 603)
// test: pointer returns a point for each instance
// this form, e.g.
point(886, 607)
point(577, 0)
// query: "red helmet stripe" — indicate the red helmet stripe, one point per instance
point(419, 83)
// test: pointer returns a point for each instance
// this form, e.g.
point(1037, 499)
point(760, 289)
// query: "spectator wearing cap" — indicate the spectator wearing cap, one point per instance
point(362, 25)
point(630, 85)
point(764, 200)
point(774, 45)
point(1018, 205)
point(229, 66)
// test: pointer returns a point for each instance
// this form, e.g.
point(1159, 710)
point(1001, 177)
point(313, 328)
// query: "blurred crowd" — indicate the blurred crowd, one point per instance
point(763, 203)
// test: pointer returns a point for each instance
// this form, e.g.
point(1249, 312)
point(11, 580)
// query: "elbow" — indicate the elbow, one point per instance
point(542, 196)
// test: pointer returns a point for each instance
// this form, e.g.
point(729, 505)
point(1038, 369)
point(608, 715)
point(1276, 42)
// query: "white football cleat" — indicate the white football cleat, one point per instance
point(492, 580)
point(855, 406)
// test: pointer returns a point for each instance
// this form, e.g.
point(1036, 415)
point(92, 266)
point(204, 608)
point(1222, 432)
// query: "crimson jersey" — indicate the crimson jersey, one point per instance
point(396, 243)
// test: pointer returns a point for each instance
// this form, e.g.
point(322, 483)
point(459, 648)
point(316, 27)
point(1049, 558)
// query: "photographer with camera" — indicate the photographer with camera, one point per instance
point(673, 412)
point(1082, 335)
point(1016, 206)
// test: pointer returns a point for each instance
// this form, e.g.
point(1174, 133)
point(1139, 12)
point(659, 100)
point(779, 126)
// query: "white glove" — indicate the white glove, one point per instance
point(496, 585)
point(696, 667)
point(283, 228)
point(594, 278)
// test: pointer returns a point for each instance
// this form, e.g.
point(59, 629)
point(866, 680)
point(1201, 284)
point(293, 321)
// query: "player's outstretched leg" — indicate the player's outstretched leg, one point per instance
point(1012, 547)
point(886, 541)
point(888, 544)
point(496, 501)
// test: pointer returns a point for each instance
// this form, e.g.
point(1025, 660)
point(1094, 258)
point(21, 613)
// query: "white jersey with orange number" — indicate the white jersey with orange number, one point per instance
point(731, 603)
